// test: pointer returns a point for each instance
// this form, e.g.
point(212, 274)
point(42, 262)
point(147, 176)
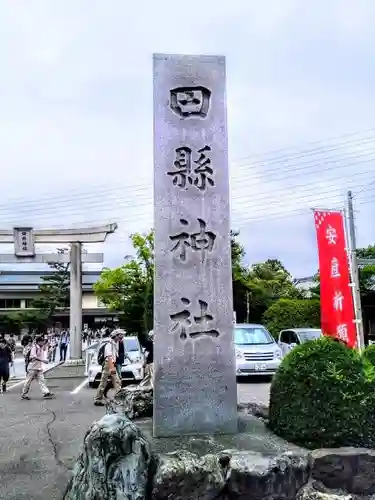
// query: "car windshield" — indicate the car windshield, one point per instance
point(252, 335)
point(306, 335)
point(131, 345)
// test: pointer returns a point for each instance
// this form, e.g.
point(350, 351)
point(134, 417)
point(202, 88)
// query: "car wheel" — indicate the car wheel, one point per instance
point(92, 385)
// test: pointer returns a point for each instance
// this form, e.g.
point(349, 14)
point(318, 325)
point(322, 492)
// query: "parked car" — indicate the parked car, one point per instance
point(257, 352)
point(133, 372)
point(295, 336)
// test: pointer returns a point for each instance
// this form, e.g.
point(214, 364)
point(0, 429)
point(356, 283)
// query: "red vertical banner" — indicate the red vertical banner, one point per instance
point(336, 300)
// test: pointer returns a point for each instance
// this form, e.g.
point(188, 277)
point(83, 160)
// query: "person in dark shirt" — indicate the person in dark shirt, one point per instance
point(26, 339)
point(5, 360)
point(148, 344)
point(122, 354)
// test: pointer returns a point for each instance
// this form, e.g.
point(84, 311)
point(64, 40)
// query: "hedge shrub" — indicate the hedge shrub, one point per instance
point(369, 354)
point(292, 313)
point(323, 395)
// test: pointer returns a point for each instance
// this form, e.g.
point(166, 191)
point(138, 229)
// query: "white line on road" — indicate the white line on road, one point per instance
point(81, 386)
point(16, 384)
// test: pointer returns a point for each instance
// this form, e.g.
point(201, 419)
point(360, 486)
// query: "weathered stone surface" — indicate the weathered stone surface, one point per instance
point(184, 476)
point(194, 359)
point(350, 469)
point(133, 401)
point(258, 476)
point(310, 492)
point(114, 463)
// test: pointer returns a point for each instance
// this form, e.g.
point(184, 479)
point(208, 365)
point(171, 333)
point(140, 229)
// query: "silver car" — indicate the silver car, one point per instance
point(295, 336)
point(257, 353)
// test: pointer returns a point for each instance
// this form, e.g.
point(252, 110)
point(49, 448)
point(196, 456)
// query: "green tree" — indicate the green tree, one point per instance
point(366, 274)
point(32, 319)
point(129, 288)
point(53, 293)
point(292, 313)
point(239, 278)
point(267, 282)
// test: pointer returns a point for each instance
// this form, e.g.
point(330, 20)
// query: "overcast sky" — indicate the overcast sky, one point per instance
point(76, 113)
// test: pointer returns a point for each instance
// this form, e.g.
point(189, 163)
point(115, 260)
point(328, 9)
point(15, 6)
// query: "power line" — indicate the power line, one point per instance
point(312, 143)
point(308, 153)
point(39, 207)
point(253, 200)
point(99, 189)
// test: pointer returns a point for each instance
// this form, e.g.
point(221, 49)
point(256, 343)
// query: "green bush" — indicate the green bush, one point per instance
point(323, 395)
point(292, 313)
point(369, 354)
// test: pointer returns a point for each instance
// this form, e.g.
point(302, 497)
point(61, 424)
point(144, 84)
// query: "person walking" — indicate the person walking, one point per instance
point(64, 341)
point(122, 353)
point(5, 360)
point(110, 348)
point(26, 354)
point(26, 339)
point(12, 345)
point(148, 344)
point(35, 372)
point(53, 343)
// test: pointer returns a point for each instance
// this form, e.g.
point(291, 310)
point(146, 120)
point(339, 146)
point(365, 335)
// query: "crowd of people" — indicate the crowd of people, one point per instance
point(40, 350)
point(37, 350)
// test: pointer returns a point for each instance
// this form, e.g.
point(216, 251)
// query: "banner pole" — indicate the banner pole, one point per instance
point(352, 247)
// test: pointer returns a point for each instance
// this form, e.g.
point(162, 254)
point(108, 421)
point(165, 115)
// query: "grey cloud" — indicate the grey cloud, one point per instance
point(76, 109)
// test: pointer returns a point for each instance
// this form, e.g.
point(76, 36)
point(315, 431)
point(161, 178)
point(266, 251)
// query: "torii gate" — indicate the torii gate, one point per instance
point(24, 239)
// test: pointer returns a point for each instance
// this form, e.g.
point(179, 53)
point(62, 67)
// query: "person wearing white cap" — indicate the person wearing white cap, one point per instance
point(110, 348)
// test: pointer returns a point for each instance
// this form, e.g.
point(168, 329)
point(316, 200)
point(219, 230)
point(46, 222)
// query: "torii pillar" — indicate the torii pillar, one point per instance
point(24, 240)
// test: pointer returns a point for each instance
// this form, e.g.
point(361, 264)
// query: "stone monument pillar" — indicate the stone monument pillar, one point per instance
point(195, 388)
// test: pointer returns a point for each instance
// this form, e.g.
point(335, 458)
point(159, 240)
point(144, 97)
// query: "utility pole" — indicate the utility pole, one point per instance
point(354, 273)
point(247, 307)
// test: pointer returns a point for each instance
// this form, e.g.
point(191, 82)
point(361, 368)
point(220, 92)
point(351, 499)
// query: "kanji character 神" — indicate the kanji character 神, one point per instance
point(201, 241)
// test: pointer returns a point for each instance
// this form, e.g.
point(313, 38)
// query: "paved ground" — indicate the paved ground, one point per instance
point(40, 439)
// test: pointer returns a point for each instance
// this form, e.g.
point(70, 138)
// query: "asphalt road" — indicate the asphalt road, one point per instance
point(41, 439)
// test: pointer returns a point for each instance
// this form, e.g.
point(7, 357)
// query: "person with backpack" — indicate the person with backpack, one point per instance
point(5, 360)
point(37, 358)
point(107, 356)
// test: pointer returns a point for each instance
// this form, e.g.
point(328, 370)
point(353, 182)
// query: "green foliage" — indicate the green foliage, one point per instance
point(54, 291)
point(33, 319)
point(260, 285)
point(323, 395)
point(129, 288)
point(369, 354)
point(366, 274)
point(292, 313)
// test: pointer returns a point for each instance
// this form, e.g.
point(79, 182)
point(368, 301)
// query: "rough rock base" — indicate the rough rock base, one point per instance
point(118, 462)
